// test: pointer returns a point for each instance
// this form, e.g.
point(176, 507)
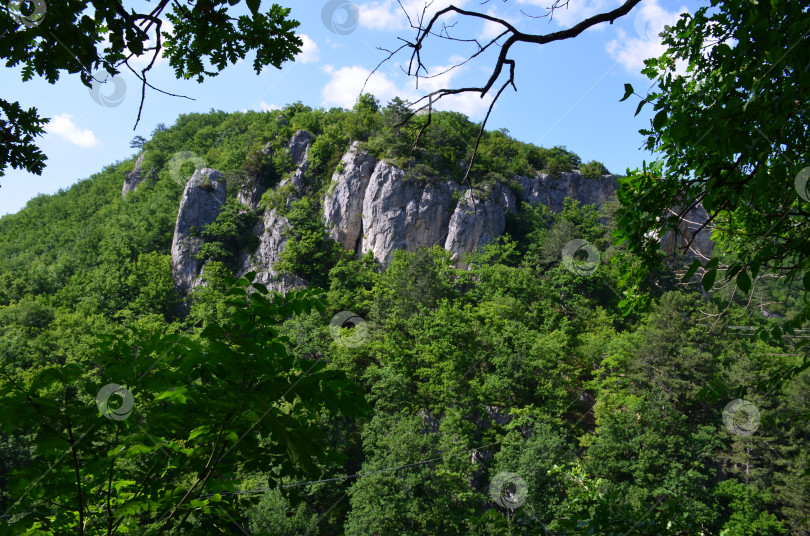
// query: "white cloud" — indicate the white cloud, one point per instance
point(347, 82)
point(268, 107)
point(388, 15)
point(62, 125)
point(649, 21)
point(381, 16)
point(491, 30)
point(310, 52)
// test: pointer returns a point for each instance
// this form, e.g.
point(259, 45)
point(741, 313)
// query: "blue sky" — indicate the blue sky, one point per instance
point(568, 91)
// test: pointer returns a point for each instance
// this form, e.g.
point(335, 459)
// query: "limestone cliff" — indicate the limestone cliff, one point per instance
point(345, 201)
point(271, 230)
point(134, 177)
point(200, 205)
point(690, 231)
point(370, 206)
point(402, 214)
point(478, 220)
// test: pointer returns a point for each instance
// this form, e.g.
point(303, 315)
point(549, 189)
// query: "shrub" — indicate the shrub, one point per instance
point(593, 170)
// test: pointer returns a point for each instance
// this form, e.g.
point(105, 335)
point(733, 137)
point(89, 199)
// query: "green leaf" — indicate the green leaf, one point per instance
point(708, 279)
point(660, 120)
point(691, 271)
point(628, 90)
point(197, 431)
point(712, 263)
point(640, 106)
point(744, 282)
point(806, 281)
point(261, 289)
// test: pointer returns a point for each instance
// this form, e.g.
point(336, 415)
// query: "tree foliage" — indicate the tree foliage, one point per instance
point(459, 390)
point(64, 37)
point(730, 133)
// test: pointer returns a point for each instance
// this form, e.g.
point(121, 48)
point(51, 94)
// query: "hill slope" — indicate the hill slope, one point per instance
point(507, 396)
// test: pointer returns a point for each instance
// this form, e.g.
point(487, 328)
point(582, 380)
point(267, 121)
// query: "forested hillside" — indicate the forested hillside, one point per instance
point(516, 396)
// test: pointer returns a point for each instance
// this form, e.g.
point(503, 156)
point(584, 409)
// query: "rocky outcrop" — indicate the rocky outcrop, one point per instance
point(403, 214)
point(253, 187)
point(250, 194)
point(298, 147)
point(271, 243)
point(690, 231)
point(343, 207)
point(372, 207)
point(271, 230)
point(478, 220)
point(552, 191)
point(134, 177)
point(200, 205)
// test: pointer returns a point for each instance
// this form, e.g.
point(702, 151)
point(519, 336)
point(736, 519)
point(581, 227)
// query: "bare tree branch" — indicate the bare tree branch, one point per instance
point(417, 69)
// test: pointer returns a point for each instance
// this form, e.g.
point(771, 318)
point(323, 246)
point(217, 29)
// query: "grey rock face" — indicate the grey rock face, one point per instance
point(298, 146)
point(478, 220)
point(399, 214)
point(271, 230)
point(370, 207)
point(377, 210)
point(134, 177)
point(343, 206)
point(268, 253)
point(251, 191)
point(552, 191)
point(250, 194)
point(202, 202)
point(701, 246)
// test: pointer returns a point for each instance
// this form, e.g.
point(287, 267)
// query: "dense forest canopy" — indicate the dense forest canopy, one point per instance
point(513, 397)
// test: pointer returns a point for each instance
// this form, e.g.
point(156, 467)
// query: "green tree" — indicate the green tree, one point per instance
point(729, 132)
point(193, 414)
